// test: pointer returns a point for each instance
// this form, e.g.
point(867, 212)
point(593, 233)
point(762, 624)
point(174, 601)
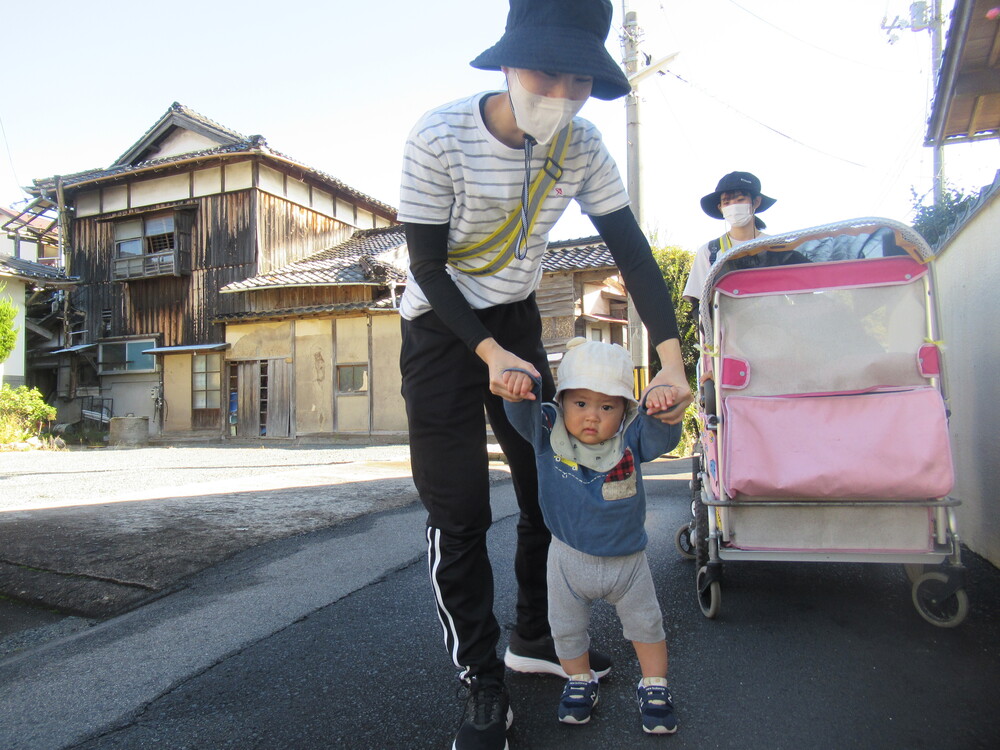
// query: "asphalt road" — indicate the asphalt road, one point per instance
point(329, 639)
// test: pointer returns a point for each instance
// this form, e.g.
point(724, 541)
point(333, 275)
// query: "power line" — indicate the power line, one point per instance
point(810, 44)
point(765, 125)
point(10, 159)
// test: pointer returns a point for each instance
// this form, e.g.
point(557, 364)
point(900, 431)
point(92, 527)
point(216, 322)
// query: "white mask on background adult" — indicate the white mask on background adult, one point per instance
point(541, 117)
point(737, 214)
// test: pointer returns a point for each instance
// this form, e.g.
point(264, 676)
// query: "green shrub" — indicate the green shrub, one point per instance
point(8, 333)
point(675, 265)
point(23, 413)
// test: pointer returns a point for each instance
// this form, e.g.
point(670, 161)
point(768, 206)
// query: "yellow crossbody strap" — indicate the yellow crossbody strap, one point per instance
point(498, 249)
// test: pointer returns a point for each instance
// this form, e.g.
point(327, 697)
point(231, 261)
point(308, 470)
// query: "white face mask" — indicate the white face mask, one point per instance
point(737, 214)
point(541, 117)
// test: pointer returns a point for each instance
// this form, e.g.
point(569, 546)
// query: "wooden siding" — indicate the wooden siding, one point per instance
point(229, 233)
point(289, 232)
point(285, 298)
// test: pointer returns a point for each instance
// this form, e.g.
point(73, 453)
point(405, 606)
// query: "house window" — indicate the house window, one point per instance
point(596, 334)
point(352, 378)
point(127, 356)
point(206, 381)
point(145, 246)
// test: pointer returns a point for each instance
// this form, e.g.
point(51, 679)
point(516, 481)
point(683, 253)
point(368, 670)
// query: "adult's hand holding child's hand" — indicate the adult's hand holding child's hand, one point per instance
point(505, 382)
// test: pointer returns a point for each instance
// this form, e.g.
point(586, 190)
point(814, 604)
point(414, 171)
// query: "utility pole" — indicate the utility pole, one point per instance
point(923, 18)
point(638, 345)
point(637, 339)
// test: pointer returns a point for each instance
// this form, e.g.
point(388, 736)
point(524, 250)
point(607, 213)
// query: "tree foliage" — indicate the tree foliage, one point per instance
point(23, 413)
point(8, 333)
point(935, 220)
point(675, 266)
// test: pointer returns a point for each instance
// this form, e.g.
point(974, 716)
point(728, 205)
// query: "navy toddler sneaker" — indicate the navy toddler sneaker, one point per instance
point(578, 699)
point(657, 709)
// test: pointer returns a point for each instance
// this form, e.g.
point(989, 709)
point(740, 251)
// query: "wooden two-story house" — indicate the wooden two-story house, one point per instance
point(187, 210)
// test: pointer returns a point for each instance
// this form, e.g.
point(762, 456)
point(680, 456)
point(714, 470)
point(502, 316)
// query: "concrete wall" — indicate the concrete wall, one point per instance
point(314, 370)
point(259, 340)
point(388, 409)
point(317, 347)
point(131, 394)
point(967, 276)
point(352, 349)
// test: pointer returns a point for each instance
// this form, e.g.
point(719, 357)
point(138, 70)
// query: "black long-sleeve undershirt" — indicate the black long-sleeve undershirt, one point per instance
point(428, 249)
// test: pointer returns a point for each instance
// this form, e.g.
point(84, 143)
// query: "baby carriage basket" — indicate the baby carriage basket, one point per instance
point(824, 432)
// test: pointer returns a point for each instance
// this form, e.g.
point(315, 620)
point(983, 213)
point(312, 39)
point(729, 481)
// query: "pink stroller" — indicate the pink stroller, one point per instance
point(824, 429)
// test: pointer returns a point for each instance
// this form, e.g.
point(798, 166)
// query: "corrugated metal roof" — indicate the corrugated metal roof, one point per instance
point(188, 348)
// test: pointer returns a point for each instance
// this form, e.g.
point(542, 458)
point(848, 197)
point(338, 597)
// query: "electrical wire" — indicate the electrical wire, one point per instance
point(811, 44)
point(762, 124)
point(10, 159)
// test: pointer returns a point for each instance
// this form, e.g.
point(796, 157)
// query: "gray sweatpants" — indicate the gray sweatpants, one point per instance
point(577, 579)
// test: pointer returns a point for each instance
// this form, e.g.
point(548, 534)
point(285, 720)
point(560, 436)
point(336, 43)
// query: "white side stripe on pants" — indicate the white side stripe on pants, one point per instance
point(447, 622)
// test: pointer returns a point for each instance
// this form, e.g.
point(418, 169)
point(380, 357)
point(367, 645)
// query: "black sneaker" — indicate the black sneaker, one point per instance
point(539, 657)
point(487, 717)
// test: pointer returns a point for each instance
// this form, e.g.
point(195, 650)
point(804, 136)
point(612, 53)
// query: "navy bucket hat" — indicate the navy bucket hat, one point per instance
point(559, 36)
point(735, 181)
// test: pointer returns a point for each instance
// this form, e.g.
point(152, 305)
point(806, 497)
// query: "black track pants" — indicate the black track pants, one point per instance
point(446, 388)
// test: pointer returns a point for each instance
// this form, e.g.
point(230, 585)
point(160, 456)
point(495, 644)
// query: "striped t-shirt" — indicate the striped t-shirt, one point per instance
point(456, 172)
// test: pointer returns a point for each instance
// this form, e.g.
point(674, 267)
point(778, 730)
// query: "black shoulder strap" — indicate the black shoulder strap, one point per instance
point(713, 250)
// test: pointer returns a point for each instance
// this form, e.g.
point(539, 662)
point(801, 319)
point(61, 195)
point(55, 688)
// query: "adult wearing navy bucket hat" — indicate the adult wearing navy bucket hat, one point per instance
point(737, 199)
point(484, 180)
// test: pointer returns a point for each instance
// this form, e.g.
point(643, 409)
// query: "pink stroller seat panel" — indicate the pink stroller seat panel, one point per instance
point(888, 444)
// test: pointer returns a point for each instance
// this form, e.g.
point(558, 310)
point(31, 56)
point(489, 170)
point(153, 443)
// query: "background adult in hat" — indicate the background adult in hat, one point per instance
point(469, 314)
point(737, 199)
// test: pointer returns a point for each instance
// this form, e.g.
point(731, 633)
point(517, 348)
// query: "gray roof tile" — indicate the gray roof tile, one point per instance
point(29, 270)
point(352, 262)
point(577, 255)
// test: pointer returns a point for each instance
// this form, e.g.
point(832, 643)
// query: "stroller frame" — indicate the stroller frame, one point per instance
point(750, 502)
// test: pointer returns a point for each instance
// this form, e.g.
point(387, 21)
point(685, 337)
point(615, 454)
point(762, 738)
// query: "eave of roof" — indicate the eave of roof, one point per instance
point(966, 105)
point(379, 306)
point(27, 270)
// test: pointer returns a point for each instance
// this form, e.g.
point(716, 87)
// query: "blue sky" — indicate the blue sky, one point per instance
point(809, 96)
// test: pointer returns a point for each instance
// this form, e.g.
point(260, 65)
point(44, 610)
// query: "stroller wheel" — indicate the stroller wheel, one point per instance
point(709, 594)
point(685, 545)
point(935, 604)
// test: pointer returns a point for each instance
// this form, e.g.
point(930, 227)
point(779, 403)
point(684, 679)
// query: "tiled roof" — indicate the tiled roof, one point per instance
point(577, 255)
point(178, 110)
point(355, 261)
point(30, 271)
point(382, 304)
point(238, 144)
